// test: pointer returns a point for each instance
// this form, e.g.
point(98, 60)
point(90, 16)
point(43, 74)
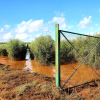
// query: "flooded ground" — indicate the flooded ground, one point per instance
point(83, 74)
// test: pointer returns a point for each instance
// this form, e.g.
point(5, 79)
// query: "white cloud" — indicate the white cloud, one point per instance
point(83, 23)
point(2, 30)
point(97, 33)
point(63, 38)
point(96, 24)
point(29, 26)
point(31, 39)
point(30, 36)
point(21, 36)
point(1, 33)
point(59, 20)
point(7, 26)
point(47, 31)
point(90, 33)
point(8, 36)
point(62, 14)
point(38, 35)
point(91, 28)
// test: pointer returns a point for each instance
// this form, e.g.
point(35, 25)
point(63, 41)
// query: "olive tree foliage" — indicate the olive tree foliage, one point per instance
point(16, 49)
point(43, 49)
point(84, 45)
point(65, 51)
point(3, 50)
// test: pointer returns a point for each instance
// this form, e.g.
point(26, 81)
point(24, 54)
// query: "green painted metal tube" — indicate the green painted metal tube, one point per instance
point(57, 54)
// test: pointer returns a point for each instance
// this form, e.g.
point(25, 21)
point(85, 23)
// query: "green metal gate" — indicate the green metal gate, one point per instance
point(57, 54)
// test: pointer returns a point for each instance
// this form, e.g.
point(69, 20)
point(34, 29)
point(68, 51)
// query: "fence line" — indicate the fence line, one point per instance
point(57, 55)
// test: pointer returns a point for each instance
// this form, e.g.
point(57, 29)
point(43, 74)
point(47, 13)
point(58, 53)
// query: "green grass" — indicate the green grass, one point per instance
point(46, 88)
point(22, 88)
point(4, 67)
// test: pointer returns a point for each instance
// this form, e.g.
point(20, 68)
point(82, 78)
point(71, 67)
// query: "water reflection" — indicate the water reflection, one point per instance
point(28, 66)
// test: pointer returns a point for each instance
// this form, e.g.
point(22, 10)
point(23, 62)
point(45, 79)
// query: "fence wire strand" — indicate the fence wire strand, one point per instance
point(78, 34)
point(84, 59)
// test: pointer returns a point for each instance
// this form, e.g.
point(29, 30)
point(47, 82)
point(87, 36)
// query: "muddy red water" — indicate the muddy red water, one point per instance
point(83, 74)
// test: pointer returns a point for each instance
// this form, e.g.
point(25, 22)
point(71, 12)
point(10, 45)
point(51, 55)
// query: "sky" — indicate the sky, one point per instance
point(26, 20)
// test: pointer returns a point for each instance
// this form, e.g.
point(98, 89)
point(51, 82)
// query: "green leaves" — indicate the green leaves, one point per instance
point(84, 45)
point(43, 49)
point(3, 50)
point(16, 49)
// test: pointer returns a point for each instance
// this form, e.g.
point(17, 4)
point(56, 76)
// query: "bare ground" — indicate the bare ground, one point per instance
point(17, 84)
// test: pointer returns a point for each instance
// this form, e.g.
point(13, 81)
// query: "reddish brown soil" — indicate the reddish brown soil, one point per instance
point(44, 89)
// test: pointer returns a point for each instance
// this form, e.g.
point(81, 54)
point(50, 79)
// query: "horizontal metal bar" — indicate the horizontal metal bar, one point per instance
point(82, 84)
point(78, 34)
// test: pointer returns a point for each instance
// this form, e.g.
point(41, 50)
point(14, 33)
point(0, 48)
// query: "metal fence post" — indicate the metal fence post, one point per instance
point(57, 54)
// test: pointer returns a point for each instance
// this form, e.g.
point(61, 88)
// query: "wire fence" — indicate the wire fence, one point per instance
point(84, 59)
point(85, 50)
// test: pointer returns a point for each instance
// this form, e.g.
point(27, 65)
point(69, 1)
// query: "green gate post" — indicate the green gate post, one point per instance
point(57, 54)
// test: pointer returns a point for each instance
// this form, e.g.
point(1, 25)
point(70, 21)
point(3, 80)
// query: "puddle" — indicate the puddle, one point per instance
point(30, 65)
point(83, 74)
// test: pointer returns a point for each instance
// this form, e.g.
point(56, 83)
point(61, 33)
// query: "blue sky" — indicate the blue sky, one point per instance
point(29, 19)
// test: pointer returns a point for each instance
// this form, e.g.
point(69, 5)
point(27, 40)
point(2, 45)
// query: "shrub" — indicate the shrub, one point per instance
point(30, 51)
point(65, 51)
point(43, 49)
point(16, 49)
point(3, 50)
point(84, 45)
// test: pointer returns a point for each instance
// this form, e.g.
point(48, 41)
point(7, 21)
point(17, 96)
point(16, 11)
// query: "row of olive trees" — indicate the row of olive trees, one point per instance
point(3, 50)
point(15, 49)
point(43, 50)
point(84, 45)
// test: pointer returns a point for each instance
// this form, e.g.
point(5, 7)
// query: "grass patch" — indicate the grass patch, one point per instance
point(22, 88)
point(35, 83)
point(71, 96)
point(45, 88)
point(96, 96)
point(4, 67)
point(1, 82)
point(38, 85)
point(32, 84)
